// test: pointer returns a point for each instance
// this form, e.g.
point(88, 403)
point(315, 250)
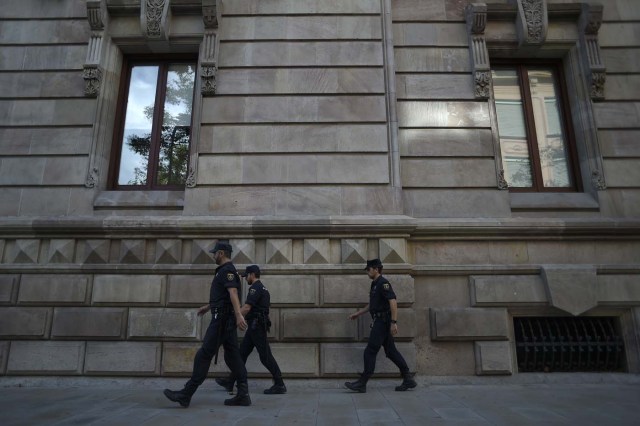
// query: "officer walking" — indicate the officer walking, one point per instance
point(224, 304)
point(384, 312)
point(256, 312)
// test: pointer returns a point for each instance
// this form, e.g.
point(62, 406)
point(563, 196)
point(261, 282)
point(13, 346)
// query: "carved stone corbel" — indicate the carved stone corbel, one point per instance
point(155, 17)
point(208, 54)
point(597, 180)
point(532, 22)
point(476, 16)
point(210, 12)
point(91, 71)
point(590, 21)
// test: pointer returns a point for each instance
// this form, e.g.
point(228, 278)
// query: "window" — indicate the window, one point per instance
point(151, 148)
point(538, 151)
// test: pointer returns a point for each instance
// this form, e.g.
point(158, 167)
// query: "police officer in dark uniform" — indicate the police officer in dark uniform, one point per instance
point(256, 312)
point(224, 303)
point(384, 312)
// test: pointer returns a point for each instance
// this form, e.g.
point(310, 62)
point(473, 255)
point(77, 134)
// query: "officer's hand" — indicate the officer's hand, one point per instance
point(240, 322)
point(394, 329)
point(353, 316)
point(203, 310)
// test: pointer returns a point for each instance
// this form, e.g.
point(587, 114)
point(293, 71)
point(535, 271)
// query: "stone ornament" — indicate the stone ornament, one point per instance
point(502, 182)
point(154, 19)
point(532, 21)
point(597, 180)
point(91, 70)
point(476, 16)
point(208, 78)
point(590, 21)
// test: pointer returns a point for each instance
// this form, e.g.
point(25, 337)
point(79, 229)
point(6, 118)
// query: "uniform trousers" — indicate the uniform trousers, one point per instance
point(381, 336)
point(256, 337)
point(221, 331)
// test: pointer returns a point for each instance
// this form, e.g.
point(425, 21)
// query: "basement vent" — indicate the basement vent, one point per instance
point(547, 344)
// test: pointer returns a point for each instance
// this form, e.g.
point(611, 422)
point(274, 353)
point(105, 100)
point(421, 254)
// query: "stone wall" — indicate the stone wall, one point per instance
point(340, 131)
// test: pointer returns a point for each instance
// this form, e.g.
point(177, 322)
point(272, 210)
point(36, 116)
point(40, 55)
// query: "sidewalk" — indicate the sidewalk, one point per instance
point(596, 400)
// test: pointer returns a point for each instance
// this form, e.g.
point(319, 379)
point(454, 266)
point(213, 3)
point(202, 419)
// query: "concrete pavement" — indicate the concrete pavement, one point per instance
point(590, 399)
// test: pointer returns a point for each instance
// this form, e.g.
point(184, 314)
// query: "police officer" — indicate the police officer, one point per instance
point(384, 312)
point(224, 304)
point(256, 312)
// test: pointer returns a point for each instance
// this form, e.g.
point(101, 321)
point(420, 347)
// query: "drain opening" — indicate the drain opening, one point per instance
point(580, 344)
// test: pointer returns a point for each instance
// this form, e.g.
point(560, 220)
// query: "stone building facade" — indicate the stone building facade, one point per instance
point(323, 133)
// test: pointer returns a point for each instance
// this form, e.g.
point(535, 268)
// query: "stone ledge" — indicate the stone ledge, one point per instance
point(140, 200)
point(470, 324)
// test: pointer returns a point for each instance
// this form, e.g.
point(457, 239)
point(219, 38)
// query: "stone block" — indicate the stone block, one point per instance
point(443, 114)
point(617, 34)
point(618, 289)
point(617, 114)
point(468, 324)
point(93, 251)
point(432, 34)
point(507, 290)
point(451, 203)
point(283, 53)
point(123, 358)
point(294, 359)
point(273, 81)
point(25, 322)
point(61, 251)
point(10, 200)
point(22, 251)
point(305, 200)
point(46, 57)
point(163, 323)
point(188, 290)
point(448, 173)
point(41, 84)
point(89, 323)
point(622, 87)
point(621, 60)
point(53, 288)
point(4, 356)
point(317, 250)
point(407, 326)
point(445, 142)
point(354, 289)
point(622, 173)
point(279, 251)
point(571, 288)
point(55, 31)
point(431, 59)
point(393, 250)
point(168, 251)
point(45, 202)
point(434, 86)
point(370, 200)
point(493, 358)
point(293, 138)
point(619, 143)
point(244, 251)
point(346, 358)
point(437, 291)
point(304, 7)
point(318, 324)
point(129, 289)
point(418, 10)
point(46, 112)
point(302, 28)
point(353, 250)
point(25, 141)
point(177, 358)
point(132, 251)
point(292, 109)
point(22, 171)
point(292, 289)
point(48, 357)
point(8, 288)
point(24, 9)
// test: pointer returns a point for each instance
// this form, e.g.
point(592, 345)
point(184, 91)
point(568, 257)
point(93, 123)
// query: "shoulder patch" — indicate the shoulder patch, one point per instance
point(230, 277)
point(385, 286)
point(252, 291)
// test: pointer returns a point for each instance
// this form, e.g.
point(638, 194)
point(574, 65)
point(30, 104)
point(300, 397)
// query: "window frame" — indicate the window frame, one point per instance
point(521, 66)
point(163, 63)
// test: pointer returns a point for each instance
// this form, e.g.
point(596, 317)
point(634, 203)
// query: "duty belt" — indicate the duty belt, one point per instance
point(382, 315)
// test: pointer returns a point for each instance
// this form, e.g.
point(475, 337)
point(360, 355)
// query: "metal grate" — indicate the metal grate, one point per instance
point(546, 344)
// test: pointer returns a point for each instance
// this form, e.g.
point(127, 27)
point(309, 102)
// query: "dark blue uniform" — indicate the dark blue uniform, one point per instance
point(380, 294)
point(256, 336)
point(221, 330)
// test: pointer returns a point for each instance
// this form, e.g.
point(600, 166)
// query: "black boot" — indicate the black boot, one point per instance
point(227, 384)
point(359, 385)
point(241, 398)
point(277, 388)
point(407, 383)
point(182, 396)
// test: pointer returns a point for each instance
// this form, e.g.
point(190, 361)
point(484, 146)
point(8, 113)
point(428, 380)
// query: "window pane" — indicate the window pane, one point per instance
point(551, 140)
point(511, 128)
point(176, 125)
point(134, 157)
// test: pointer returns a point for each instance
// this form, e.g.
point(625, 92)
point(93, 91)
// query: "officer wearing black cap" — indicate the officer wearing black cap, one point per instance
point(384, 312)
point(224, 303)
point(256, 311)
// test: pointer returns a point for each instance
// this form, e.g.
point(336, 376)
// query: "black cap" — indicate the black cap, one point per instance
point(373, 263)
point(221, 245)
point(251, 269)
